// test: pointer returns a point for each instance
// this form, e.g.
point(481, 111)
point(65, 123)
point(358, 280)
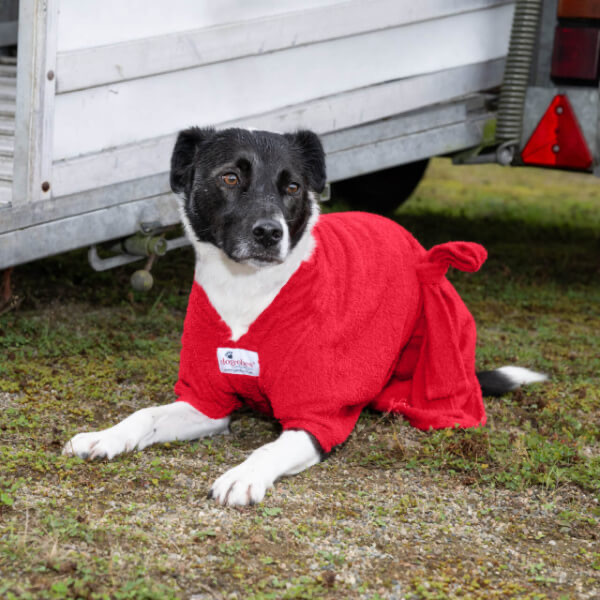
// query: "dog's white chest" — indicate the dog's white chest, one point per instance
point(238, 298)
point(240, 293)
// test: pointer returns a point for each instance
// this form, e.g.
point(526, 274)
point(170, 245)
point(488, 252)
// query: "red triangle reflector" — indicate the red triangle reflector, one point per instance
point(557, 140)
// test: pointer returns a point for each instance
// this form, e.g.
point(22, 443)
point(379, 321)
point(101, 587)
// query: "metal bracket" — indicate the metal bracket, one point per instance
point(505, 153)
point(103, 264)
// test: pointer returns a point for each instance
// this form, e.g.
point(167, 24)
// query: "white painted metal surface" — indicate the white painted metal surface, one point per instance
point(92, 23)
point(34, 116)
point(104, 86)
point(411, 136)
point(150, 107)
point(341, 111)
point(83, 64)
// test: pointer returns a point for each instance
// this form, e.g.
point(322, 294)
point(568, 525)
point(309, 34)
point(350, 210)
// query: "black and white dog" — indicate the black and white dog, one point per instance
point(249, 206)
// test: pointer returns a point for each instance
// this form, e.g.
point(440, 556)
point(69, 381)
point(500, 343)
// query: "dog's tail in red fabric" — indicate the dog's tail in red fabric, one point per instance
point(506, 379)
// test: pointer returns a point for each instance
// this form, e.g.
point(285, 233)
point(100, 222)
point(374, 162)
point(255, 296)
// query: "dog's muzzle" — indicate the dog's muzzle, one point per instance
point(265, 242)
point(267, 232)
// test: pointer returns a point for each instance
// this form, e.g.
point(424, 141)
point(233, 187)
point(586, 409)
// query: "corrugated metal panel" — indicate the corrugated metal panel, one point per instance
point(342, 111)
point(237, 89)
point(8, 86)
point(246, 32)
point(409, 136)
point(92, 23)
point(101, 97)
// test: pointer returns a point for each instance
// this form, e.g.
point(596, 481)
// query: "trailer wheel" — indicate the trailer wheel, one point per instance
point(382, 191)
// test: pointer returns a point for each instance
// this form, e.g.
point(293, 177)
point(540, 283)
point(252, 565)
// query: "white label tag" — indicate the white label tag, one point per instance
point(236, 361)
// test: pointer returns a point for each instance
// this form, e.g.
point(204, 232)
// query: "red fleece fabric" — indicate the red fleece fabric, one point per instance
point(369, 320)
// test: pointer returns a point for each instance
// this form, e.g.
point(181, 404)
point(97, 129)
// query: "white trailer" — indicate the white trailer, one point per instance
point(89, 115)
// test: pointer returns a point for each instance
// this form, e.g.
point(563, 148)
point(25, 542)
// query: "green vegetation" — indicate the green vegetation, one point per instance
point(507, 511)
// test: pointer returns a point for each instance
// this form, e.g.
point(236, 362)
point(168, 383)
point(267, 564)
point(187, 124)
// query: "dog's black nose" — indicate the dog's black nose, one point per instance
point(267, 232)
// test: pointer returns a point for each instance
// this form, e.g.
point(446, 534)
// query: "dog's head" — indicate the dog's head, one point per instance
point(249, 193)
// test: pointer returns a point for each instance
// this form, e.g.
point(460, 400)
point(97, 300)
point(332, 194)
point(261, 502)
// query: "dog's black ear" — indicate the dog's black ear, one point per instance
point(313, 154)
point(184, 153)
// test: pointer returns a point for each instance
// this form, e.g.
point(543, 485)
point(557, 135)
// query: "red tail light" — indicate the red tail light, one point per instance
point(557, 140)
point(576, 53)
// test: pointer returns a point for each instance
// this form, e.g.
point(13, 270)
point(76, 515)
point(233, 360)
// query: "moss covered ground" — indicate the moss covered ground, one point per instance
point(507, 511)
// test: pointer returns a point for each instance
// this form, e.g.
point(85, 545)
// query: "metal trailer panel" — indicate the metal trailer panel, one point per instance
point(102, 120)
point(425, 90)
point(34, 102)
point(97, 114)
point(150, 107)
point(458, 82)
point(84, 66)
point(8, 79)
point(92, 23)
point(410, 136)
point(340, 111)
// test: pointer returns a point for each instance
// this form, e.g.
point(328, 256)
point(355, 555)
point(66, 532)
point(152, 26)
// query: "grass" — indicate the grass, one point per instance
point(509, 510)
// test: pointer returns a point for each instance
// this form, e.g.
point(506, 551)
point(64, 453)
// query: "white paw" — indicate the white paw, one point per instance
point(242, 485)
point(96, 444)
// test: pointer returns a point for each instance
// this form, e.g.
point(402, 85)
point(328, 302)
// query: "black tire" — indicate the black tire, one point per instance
point(382, 191)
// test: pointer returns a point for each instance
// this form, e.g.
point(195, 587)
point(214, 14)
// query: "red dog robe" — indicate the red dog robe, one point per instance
point(368, 320)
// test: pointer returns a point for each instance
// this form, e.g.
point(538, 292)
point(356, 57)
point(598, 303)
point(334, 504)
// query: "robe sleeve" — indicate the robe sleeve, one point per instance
point(214, 406)
point(199, 382)
point(434, 384)
point(330, 427)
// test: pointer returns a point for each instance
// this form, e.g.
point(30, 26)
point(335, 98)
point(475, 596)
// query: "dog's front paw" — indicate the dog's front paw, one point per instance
point(96, 444)
point(240, 486)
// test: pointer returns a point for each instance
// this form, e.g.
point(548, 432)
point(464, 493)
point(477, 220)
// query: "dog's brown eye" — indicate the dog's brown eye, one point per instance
point(230, 179)
point(292, 188)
